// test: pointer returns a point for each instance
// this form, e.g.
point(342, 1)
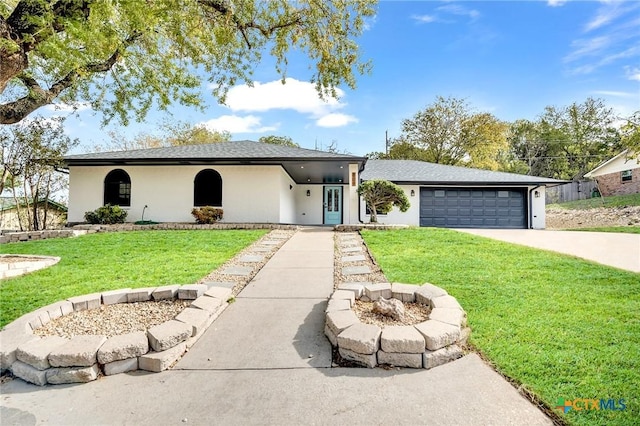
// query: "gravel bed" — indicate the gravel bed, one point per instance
point(113, 320)
point(123, 318)
point(242, 281)
point(376, 275)
point(414, 313)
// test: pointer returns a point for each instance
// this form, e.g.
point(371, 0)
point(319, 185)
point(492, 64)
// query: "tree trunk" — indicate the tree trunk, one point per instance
point(374, 215)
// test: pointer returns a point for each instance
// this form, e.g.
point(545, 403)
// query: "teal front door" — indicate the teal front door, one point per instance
point(332, 205)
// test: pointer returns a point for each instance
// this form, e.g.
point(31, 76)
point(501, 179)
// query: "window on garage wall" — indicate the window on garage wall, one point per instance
point(207, 189)
point(117, 188)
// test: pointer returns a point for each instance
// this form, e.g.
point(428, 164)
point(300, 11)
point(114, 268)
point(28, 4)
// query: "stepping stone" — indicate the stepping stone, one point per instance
point(262, 249)
point(249, 258)
point(356, 270)
point(357, 258)
point(279, 236)
point(347, 236)
point(351, 249)
point(243, 271)
point(271, 243)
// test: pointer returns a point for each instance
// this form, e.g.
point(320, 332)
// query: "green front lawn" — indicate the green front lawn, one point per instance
point(608, 202)
point(559, 326)
point(109, 261)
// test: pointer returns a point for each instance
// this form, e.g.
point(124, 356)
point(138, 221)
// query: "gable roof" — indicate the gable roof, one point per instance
point(222, 151)
point(624, 165)
point(421, 172)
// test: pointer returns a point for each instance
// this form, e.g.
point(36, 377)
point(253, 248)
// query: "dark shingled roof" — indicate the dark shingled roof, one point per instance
point(420, 172)
point(240, 150)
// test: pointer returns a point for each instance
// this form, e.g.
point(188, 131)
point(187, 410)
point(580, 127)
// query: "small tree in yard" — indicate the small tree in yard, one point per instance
point(380, 197)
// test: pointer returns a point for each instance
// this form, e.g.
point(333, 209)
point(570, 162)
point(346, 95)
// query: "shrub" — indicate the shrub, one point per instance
point(106, 215)
point(207, 214)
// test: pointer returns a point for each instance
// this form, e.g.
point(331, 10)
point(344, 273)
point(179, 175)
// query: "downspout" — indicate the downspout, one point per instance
point(531, 191)
point(360, 170)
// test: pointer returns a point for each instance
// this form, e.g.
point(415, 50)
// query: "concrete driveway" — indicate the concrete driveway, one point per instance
point(611, 249)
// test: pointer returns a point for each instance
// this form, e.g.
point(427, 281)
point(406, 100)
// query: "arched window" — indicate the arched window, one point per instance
point(117, 188)
point(207, 189)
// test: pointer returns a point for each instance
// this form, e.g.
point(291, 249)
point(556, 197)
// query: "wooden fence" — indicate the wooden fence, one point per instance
point(578, 190)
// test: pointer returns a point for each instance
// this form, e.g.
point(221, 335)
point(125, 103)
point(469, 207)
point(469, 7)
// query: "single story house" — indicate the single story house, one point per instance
point(264, 183)
point(618, 176)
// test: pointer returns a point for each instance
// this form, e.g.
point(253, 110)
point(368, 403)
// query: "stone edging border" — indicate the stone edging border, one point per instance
point(425, 345)
point(30, 264)
point(14, 237)
point(57, 360)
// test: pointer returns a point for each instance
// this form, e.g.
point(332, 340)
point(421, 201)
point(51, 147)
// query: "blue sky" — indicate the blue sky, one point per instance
point(509, 58)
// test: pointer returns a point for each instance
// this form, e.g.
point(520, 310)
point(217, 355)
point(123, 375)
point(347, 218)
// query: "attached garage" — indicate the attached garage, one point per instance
point(473, 207)
point(461, 197)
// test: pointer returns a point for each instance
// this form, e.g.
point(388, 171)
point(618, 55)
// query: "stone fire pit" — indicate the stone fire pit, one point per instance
point(428, 344)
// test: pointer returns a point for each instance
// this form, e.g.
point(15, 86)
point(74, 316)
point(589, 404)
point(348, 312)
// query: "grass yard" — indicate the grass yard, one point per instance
point(109, 261)
point(559, 326)
point(614, 201)
point(618, 229)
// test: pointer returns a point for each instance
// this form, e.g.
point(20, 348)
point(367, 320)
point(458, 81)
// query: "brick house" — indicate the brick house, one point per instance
point(619, 175)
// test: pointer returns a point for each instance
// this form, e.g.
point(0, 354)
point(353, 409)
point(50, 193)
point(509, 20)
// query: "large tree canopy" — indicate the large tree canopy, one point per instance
point(448, 132)
point(126, 56)
point(170, 133)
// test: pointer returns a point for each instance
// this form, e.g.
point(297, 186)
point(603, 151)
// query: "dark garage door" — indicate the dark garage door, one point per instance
point(472, 208)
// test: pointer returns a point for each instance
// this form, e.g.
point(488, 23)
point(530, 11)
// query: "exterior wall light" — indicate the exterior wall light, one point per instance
point(413, 193)
point(308, 193)
point(536, 194)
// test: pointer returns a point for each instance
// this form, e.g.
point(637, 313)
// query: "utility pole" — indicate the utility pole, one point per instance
point(386, 141)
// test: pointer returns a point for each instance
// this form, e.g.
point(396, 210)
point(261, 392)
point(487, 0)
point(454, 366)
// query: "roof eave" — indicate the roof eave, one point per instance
point(203, 161)
point(479, 183)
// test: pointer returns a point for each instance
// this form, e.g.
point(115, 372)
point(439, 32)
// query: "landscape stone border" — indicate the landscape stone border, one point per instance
point(428, 344)
point(81, 359)
point(15, 237)
point(31, 263)
point(56, 360)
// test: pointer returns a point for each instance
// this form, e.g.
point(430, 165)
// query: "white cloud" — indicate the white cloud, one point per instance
point(424, 19)
point(238, 124)
point(556, 3)
point(616, 37)
point(614, 93)
point(632, 73)
point(456, 9)
point(296, 95)
point(336, 120)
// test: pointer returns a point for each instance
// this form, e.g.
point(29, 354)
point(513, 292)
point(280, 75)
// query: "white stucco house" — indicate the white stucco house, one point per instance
point(262, 183)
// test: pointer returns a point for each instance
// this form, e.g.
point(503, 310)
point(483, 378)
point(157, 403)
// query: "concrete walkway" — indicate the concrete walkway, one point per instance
point(611, 249)
point(266, 361)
